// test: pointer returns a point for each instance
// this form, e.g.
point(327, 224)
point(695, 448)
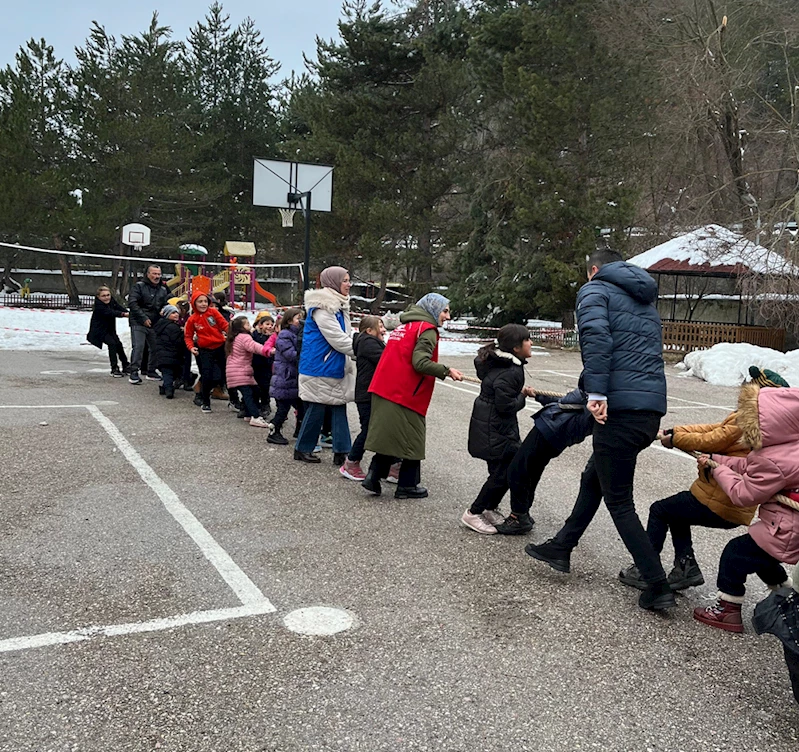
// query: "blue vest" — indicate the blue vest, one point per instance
point(318, 357)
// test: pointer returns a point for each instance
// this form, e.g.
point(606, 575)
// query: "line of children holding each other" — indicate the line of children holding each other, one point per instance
point(745, 460)
point(255, 361)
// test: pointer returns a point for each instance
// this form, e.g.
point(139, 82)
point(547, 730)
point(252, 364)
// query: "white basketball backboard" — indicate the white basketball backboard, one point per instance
point(136, 235)
point(274, 180)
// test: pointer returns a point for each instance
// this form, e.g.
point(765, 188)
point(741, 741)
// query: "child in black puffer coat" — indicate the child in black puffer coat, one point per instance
point(494, 427)
point(170, 353)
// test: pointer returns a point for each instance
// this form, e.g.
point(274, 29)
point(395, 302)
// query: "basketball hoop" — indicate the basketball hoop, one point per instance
point(287, 217)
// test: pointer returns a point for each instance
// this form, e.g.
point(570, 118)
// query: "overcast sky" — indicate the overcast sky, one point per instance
point(289, 28)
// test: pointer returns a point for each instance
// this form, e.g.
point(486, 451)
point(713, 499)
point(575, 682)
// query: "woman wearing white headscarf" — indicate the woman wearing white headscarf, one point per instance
point(327, 372)
point(402, 388)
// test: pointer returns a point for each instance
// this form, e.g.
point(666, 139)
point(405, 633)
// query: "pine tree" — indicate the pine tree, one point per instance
point(138, 142)
point(230, 72)
point(557, 111)
point(386, 112)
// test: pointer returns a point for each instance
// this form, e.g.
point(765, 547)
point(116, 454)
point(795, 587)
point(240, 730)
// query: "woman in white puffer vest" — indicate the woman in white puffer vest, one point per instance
point(327, 370)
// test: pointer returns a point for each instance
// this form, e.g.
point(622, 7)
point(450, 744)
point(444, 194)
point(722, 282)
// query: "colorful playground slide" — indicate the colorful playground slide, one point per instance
point(266, 294)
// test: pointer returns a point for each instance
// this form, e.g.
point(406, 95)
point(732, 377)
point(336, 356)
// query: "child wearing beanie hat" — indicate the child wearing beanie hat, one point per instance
point(170, 349)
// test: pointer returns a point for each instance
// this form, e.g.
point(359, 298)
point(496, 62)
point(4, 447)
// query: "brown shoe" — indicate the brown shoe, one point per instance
point(721, 615)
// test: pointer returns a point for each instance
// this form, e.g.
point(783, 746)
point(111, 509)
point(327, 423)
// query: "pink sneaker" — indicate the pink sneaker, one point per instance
point(493, 517)
point(478, 523)
point(393, 473)
point(352, 470)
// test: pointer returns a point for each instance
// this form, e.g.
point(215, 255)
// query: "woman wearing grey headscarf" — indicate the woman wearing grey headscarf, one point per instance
point(401, 391)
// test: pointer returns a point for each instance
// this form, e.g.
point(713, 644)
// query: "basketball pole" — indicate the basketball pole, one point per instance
point(297, 197)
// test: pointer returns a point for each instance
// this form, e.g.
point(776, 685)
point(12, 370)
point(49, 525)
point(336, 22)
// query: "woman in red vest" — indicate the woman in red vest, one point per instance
point(401, 391)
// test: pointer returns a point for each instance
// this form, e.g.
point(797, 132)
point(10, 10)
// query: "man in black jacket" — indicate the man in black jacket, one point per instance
point(145, 301)
point(623, 375)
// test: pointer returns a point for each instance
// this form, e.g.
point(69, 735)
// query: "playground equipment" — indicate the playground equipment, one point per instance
point(237, 280)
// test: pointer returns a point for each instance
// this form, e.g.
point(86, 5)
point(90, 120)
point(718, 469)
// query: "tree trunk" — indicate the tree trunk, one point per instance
point(66, 273)
point(381, 293)
point(9, 265)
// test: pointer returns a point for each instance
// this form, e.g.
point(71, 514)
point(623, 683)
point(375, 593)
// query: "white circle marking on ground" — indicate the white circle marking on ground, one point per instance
point(319, 620)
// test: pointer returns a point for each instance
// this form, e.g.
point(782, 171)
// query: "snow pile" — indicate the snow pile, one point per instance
point(728, 364)
point(717, 246)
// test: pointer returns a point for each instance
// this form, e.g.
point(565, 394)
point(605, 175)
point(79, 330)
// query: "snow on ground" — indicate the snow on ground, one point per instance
point(728, 364)
point(37, 329)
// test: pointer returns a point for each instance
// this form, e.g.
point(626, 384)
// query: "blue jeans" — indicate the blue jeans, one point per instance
point(359, 445)
point(312, 426)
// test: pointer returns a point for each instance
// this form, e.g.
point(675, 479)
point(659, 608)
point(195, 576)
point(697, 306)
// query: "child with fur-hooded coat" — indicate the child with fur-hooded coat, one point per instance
point(769, 423)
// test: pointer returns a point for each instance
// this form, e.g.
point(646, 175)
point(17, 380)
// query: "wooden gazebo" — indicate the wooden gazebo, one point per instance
point(703, 294)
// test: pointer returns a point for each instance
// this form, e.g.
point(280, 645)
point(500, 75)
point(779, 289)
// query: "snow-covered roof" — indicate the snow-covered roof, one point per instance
point(713, 248)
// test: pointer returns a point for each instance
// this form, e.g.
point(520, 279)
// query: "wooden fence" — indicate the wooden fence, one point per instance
point(682, 336)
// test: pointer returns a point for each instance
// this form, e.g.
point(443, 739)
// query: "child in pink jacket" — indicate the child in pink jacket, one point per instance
point(769, 420)
point(239, 348)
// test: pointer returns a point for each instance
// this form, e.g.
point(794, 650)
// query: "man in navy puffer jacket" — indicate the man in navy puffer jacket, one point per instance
point(623, 375)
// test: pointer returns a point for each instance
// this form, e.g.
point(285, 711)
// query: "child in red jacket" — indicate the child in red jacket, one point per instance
point(210, 328)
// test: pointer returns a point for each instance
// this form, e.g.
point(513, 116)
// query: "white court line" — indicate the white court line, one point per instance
point(244, 588)
point(254, 602)
point(115, 630)
point(703, 404)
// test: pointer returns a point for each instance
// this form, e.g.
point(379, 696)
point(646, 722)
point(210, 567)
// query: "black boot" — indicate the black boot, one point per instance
point(306, 457)
point(410, 492)
point(657, 597)
point(686, 573)
point(169, 392)
point(277, 438)
point(161, 391)
point(550, 552)
point(371, 482)
point(339, 458)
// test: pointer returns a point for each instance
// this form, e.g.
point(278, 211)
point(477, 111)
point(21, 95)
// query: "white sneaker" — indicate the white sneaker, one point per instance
point(493, 517)
point(259, 422)
point(478, 523)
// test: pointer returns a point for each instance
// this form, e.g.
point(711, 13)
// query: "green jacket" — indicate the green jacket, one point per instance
point(395, 430)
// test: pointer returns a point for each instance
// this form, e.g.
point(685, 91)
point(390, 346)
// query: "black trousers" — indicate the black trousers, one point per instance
point(678, 513)
point(495, 487)
point(359, 445)
point(212, 370)
point(610, 473)
point(263, 377)
point(792, 661)
point(742, 557)
point(169, 374)
point(250, 397)
point(410, 472)
point(185, 375)
point(526, 468)
point(283, 407)
point(116, 353)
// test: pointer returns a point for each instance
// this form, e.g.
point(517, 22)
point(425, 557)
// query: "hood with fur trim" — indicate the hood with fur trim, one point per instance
point(327, 300)
point(768, 416)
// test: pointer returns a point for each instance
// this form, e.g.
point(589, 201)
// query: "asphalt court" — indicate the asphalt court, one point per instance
point(96, 535)
point(456, 642)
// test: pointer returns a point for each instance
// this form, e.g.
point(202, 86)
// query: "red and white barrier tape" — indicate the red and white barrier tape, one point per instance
point(40, 331)
point(40, 310)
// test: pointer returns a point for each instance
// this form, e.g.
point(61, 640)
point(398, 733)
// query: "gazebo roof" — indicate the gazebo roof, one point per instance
point(715, 250)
